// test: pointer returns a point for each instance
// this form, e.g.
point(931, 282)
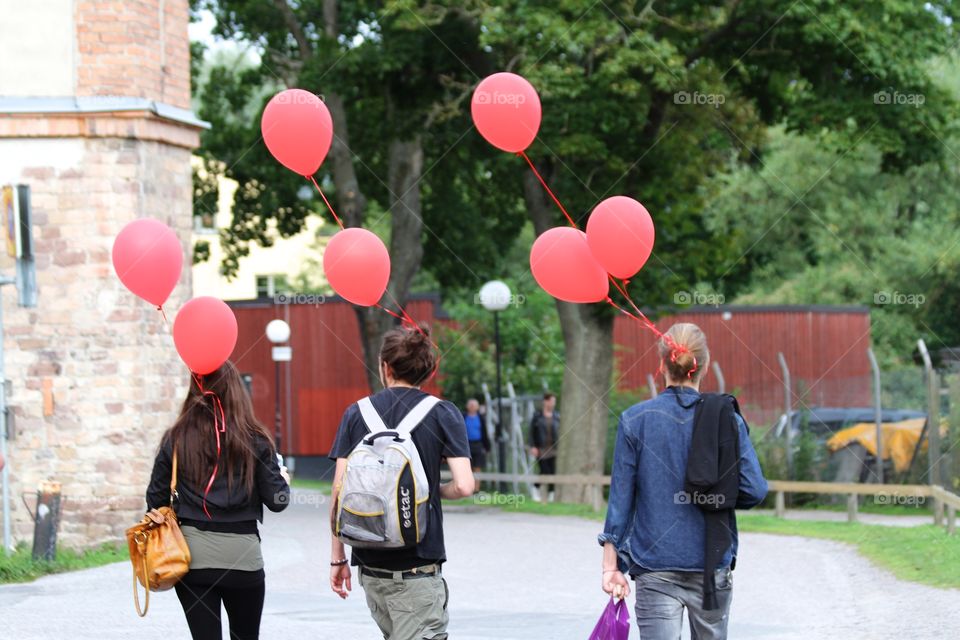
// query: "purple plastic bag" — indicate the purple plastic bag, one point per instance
point(614, 623)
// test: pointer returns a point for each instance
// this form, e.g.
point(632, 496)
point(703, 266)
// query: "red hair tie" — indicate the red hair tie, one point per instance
point(219, 426)
point(676, 350)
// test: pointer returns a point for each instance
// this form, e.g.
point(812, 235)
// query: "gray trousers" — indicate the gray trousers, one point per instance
point(411, 609)
point(663, 595)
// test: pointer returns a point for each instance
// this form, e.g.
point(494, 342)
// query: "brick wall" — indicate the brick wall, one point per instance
point(104, 359)
point(134, 48)
point(95, 376)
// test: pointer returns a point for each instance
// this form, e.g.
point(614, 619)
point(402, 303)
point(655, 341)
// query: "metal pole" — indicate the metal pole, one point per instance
point(488, 421)
point(7, 542)
point(721, 381)
point(512, 433)
point(501, 445)
point(289, 461)
point(788, 407)
point(933, 416)
point(278, 418)
point(877, 412)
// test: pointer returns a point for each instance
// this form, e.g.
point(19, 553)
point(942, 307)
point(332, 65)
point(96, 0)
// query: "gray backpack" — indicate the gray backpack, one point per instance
point(382, 502)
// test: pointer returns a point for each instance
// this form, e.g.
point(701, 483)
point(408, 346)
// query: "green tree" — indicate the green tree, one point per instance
point(531, 341)
point(651, 99)
point(643, 99)
point(396, 96)
point(862, 235)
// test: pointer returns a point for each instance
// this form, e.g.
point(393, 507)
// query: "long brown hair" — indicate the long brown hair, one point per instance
point(194, 436)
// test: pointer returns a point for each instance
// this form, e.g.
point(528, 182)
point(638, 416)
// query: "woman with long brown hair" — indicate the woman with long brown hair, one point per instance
point(227, 470)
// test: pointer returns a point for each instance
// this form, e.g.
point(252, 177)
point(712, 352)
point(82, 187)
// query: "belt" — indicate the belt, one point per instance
point(417, 572)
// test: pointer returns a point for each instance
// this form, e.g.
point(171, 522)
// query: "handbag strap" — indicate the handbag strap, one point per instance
point(146, 581)
point(173, 476)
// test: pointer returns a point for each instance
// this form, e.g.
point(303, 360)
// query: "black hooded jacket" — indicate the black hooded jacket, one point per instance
point(231, 508)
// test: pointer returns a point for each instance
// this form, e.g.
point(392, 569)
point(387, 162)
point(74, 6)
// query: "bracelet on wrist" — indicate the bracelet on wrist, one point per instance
point(338, 563)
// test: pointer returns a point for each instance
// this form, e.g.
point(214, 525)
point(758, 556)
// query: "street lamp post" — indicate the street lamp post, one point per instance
point(495, 297)
point(278, 332)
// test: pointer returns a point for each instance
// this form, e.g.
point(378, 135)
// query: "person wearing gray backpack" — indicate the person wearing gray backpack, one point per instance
point(386, 491)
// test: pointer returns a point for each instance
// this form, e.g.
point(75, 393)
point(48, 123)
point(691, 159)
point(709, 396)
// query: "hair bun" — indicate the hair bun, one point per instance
point(684, 360)
point(410, 353)
point(417, 335)
point(683, 351)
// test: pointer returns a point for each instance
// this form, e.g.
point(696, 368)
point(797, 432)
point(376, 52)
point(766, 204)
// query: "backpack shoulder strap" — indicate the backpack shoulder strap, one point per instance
point(371, 419)
point(416, 415)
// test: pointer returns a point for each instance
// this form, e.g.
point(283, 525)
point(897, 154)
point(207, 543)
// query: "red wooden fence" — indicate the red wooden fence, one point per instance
point(327, 371)
point(825, 348)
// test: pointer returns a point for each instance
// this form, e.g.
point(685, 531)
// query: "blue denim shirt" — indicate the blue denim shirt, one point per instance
point(649, 518)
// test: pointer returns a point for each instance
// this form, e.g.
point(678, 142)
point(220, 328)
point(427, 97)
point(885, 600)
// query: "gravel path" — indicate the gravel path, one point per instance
point(512, 577)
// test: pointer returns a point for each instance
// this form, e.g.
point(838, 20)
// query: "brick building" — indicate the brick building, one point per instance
point(95, 117)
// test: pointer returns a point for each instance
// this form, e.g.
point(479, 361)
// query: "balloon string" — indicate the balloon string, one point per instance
point(675, 348)
point(327, 202)
point(395, 315)
point(543, 182)
point(164, 314)
point(219, 426)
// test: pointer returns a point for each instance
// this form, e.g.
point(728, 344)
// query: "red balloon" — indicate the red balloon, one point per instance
point(297, 129)
point(148, 258)
point(620, 234)
point(205, 333)
point(357, 266)
point(506, 111)
point(562, 264)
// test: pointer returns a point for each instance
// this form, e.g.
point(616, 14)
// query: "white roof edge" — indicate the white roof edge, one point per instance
point(96, 104)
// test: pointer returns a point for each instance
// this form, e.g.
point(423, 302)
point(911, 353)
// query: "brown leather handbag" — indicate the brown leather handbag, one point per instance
point(158, 551)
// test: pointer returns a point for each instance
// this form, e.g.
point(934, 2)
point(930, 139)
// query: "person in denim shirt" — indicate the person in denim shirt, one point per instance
point(652, 531)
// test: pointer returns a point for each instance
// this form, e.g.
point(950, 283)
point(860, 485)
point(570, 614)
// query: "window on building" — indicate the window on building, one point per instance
point(269, 285)
point(205, 223)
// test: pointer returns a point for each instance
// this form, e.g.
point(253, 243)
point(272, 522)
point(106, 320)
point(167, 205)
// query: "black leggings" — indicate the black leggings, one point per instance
point(202, 590)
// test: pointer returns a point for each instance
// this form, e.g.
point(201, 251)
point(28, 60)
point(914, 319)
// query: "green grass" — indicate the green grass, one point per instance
point(923, 554)
point(324, 486)
point(21, 567)
point(870, 507)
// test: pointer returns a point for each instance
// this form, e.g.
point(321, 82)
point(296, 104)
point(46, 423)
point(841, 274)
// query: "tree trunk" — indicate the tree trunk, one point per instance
point(351, 203)
point(403, 182)
point(588, 368)
point(588, 336)
point(406, 249)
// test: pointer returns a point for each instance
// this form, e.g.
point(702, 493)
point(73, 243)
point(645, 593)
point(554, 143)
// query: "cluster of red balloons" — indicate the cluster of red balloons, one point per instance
point(573, 266)
point(298, 131)
point(569, 264)
point(148, 259)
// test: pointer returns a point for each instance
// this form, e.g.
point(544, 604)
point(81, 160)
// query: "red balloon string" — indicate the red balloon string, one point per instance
point(638, 315)
point(327, 202)
point(675, 348)
point(544, 183)
point(219, 426)
point(163, 313)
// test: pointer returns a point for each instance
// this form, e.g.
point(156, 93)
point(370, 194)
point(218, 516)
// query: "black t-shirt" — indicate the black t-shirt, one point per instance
point(442, 434)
